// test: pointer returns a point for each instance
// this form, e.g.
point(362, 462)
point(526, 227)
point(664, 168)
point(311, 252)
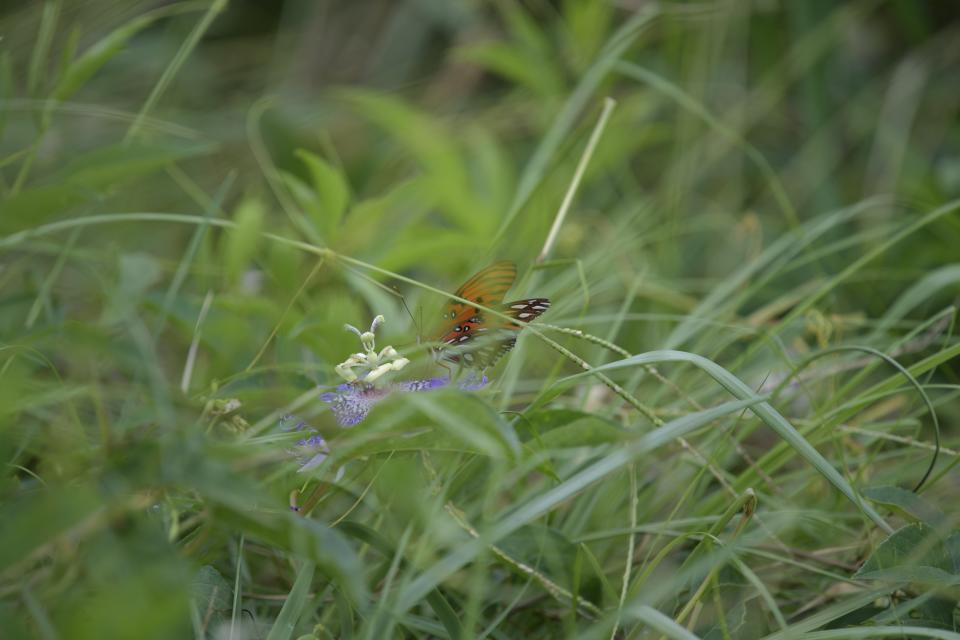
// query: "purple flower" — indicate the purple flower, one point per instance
point(310, 451)
point(352, 402)
point(313, 450)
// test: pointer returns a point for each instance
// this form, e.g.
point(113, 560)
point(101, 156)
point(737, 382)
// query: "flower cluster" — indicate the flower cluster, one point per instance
point(372, 365)
point(352, 402)
point(365, 386)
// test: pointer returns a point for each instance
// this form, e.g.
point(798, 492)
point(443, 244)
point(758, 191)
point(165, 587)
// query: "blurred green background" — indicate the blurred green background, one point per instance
point(196, 196)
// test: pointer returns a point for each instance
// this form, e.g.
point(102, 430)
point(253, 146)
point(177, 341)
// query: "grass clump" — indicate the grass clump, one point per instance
point(736, 420)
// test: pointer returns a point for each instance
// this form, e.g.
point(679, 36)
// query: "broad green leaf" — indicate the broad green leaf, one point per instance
point(331, 189)
point(211, 592)
point(514, 64)
point(906, 502)
point(914, 553)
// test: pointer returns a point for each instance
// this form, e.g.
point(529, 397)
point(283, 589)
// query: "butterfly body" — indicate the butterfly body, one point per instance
point(476, 338)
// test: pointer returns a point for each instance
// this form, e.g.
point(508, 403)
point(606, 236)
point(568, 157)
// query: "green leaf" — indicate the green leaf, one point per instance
point(242, 241)
point(86, 178)
point(41, 517)
point(6, 86)
point(907, 503)
point(439, 418)
point(41, 46)
point(331, 189)
point(293, 606)
point(436, 149)
point(211, 591)
point(90, 61)
point(112, 164)
point(562, 429)
point(138, 273)
point(914, 553)
point(516, 65)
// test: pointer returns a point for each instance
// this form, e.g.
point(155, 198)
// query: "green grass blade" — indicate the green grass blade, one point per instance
point(293, 607)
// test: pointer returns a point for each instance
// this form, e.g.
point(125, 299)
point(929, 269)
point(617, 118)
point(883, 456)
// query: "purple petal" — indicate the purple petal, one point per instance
point(352, 402)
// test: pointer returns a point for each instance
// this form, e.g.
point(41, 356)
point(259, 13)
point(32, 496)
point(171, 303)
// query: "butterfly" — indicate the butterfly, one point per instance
point(476, 338)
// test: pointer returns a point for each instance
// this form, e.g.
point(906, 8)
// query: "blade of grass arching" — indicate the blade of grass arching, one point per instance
point(156, 376)
point(43, 296)
point(541, 504)
point(6, 94)
point(537, 167)
point(765, 411)
point(583, 607)
point(286, 622)
point(802, 628)
point(435, 599)
point(687, 102)
point(234, 613)
point(895, 124)
point(859, 263)
point(44, 625)
point(36, 69)
point(872, 632)
point(628, 562)
point(383, 617)
point(732, 291)
point(283, 314)
point(804, 18)
point(195, 343)
point(216, 7)
point(183, 268)
point(272, 174)
point(657, 621)
point(79, 71)
point(100, 112)
point(929, 285)
point(761, 589)
point(41, 46)
point(910, 379)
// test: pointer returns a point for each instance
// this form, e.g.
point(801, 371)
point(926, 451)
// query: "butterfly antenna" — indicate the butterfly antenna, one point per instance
point(416, 325)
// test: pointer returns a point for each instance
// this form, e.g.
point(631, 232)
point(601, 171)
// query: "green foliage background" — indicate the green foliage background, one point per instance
point(196, 196)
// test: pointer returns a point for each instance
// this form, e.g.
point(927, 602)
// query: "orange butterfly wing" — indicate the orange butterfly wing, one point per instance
point(486, 288)
point(464, 324)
